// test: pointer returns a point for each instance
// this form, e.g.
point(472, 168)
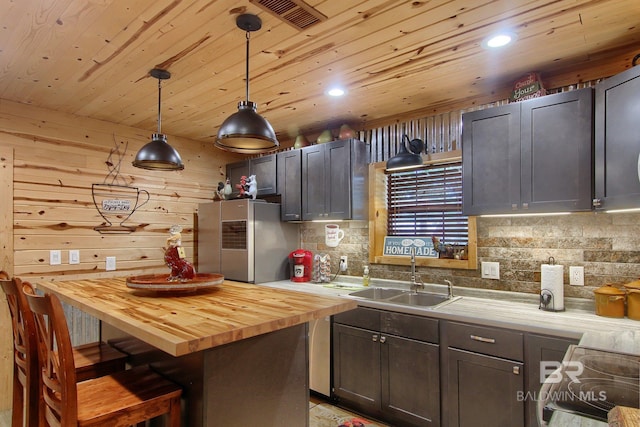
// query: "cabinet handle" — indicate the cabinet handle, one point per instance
point(383, 339)
point(516, 370)
point(374, 338)
point(482, 339)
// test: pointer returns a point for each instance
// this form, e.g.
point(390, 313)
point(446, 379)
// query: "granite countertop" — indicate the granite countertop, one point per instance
point(513, 310)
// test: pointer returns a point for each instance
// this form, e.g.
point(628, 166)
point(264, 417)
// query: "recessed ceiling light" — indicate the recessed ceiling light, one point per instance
point(336, 91)
point(499, 40)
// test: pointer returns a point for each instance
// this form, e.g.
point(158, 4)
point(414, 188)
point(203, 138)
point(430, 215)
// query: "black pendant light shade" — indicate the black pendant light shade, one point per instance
point(246, 131)
point(405, 159)
point(158, 154)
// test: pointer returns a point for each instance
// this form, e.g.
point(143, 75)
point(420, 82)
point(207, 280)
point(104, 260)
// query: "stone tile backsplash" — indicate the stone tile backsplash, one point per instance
point(606, 245)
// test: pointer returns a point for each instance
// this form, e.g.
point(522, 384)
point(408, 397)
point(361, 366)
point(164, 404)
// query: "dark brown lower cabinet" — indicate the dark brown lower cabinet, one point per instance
point(483, 377)
point(483, 390)
point(386, 376)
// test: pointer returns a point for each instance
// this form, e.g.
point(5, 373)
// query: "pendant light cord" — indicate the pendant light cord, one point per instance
point(159, 104)
point(247, 65)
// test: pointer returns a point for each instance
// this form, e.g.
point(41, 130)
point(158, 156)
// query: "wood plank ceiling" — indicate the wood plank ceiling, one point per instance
point(394, 57)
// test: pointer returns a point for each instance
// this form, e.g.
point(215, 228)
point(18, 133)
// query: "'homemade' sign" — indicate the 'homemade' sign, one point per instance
point(401, 246)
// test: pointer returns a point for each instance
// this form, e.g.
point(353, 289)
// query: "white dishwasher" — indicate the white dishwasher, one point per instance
point(320, 356)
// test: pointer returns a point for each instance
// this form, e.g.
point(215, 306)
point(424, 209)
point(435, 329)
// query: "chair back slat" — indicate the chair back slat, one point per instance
point(26, 393)
point(58, 370)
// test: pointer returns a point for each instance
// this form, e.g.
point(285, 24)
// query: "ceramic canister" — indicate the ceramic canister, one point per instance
point(633, 300)
point(609, 301)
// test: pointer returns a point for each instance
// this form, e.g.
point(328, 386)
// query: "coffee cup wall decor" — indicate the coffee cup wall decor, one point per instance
point(333, 235)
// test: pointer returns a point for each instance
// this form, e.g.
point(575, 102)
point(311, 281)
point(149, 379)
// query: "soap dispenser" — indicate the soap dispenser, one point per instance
point(365, 276)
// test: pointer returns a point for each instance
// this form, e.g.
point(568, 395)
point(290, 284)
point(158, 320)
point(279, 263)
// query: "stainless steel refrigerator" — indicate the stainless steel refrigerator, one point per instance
point(244, 240)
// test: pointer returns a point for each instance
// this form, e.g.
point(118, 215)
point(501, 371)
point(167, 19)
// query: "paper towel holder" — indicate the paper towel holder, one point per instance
point(547, 298)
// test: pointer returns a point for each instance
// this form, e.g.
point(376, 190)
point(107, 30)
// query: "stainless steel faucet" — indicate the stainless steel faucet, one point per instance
point(415, 284)
point(449, 288)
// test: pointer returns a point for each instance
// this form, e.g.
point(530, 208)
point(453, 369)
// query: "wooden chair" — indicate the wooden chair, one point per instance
point(91, 360)
point(121, 399)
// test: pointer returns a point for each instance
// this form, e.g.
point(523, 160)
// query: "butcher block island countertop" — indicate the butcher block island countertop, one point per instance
point(185, 323)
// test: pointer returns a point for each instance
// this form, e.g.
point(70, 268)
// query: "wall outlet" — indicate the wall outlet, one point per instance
point(343, 263)
point(74, 256)
point(576, 276)
point(110, 263)
point(55, 258)
point(490, 270)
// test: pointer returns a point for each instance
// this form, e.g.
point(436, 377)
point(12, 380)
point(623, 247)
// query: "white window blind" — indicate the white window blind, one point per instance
point(427, 202)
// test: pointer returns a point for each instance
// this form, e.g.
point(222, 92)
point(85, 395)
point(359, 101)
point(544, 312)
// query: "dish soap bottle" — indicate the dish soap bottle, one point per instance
point(365, 276)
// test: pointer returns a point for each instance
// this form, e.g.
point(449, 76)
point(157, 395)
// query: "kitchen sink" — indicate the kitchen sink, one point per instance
point(377, 293)
point(422, 299)
point(404, 297)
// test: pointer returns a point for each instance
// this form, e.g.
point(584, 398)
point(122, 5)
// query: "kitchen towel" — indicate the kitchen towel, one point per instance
point(552, 280)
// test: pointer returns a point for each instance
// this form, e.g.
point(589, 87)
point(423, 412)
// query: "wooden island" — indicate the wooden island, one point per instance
point(240, 351)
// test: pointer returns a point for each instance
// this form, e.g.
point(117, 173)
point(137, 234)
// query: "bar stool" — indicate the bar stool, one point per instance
point(121, 399)
point(91, 360)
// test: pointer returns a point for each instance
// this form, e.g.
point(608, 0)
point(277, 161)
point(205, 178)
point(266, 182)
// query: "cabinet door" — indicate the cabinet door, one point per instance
point(410, 381)
point(313, 183)
point(483, 390)
point(289, 181)
point(538, 349)
point(557, 142)
point(234, 172)
point(264, 168)
point(356, 368)
point(491, 160)
point(337, 158)
point(617, 153)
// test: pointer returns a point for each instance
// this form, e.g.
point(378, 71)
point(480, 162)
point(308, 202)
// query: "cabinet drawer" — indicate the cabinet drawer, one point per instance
point(487, 340)
point(360, 317)
point(414, 327)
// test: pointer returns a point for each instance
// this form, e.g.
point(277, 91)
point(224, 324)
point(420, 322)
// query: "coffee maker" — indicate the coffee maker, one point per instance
point(301, 265)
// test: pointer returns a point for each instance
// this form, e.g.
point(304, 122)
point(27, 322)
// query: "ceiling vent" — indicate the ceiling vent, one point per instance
point(294, 12)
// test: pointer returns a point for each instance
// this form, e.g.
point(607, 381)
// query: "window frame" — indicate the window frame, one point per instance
point(378, 221)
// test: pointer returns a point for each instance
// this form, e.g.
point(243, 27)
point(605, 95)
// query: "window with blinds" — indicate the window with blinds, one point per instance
point(427, 202)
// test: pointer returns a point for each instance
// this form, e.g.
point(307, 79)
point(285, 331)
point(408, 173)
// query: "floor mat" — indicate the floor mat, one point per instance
point(325, 415)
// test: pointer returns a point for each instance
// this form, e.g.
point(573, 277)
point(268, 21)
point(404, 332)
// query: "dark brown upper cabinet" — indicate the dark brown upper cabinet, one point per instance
point(617, 142)
point(533, 156)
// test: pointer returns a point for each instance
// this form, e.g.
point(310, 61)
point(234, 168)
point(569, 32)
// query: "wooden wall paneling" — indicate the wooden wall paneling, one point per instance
point(53, 203)
point(6, 264)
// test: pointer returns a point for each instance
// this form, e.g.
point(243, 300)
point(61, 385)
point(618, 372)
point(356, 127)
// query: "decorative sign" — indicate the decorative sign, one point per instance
point(113, 205)
point(401, 246)
point(114, 196)
point(527, 87)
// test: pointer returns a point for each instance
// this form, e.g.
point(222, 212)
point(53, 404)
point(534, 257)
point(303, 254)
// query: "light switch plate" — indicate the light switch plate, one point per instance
point(55, 258)
point(490, 270)
point(74, 256)
point(110, 263)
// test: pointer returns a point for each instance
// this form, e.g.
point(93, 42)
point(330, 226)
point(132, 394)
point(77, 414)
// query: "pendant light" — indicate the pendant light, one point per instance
point(246, 131)
point(158, 154)
point(405, 159)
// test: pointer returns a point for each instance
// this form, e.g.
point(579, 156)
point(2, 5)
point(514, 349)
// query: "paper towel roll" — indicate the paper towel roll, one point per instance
point(551, 279)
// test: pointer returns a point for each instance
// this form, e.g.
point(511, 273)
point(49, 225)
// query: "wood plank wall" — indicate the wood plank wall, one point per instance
point(6, 264)
point(54, 159)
